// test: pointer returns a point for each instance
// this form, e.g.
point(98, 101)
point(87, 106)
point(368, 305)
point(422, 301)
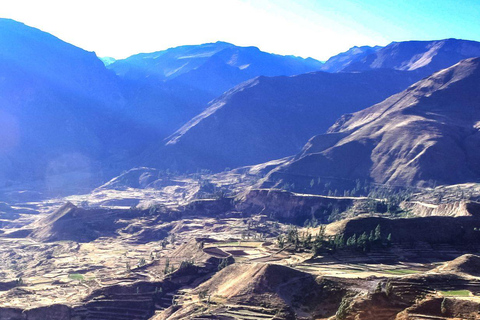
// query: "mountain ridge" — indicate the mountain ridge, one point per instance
point(424, 56)
point(270, 117)
point(424, 135)
point(203, 66)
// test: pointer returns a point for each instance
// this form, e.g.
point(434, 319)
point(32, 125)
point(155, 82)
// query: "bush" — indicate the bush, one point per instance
point(342, 311)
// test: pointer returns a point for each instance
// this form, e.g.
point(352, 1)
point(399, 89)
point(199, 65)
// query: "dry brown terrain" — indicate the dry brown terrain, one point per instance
point(203, 257)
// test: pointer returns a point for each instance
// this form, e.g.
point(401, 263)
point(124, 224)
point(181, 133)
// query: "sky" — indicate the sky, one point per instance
point(307, 28)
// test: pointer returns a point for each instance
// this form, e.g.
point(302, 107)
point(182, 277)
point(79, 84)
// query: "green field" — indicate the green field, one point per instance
point(456, 293)
point(401, 271)
point(251, 244)
point(76, 276)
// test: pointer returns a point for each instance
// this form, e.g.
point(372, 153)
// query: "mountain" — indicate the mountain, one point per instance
point(59, 109)
point(342, 60)
point(271, 117)
point(168, 63)
point(158, 109)
point(425, 135)
point(424, 56)
point(107, 60)
point(211, 67)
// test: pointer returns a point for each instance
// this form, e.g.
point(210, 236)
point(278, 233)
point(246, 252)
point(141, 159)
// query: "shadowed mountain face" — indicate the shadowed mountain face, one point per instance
point(211, 68)
point(59, 108)
point(267, 118)
point(342, 60)
point(424, 56)
point(166, 89)
point(423, 135)
point(66, 120)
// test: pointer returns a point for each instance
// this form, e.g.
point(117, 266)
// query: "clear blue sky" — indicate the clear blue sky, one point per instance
point(306, 28)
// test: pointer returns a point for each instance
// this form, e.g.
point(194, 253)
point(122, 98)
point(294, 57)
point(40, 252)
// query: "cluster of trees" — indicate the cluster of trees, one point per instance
point(224, 262)
point(365, 242)
point(321, 243)
point(168, 268)
point(379, 198)
point(353, 188)
point(164, 213)
point(247, 235)
point(208, 190)
point(165, 240)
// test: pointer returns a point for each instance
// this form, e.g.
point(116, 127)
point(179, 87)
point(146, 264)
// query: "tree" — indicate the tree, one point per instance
point(371, 238)
point(342, 311)
point(307, 223)
point(202, 294)
point(141, 262)
point(292, 236)
point(316, 248)
point(281, 241)
point(164, 243)
point(443, 306)
point(378, 233)
point(388, 288)
point(321, 233)
point(389, 239)
point(223, 264)
point(339, 241)
point(166, 270)
point(352, 241)
point(307, 240)
point(362, 241)
point(19, 282)
point(314, 222)
point(185, 264)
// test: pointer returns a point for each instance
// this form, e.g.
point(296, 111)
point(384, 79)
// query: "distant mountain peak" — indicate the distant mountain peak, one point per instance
point(424, 56)
point(210, 67)
point(107, 60)
point(343, 60)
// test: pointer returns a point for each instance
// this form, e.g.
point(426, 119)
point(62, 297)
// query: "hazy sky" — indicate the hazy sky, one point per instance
point(306, 28)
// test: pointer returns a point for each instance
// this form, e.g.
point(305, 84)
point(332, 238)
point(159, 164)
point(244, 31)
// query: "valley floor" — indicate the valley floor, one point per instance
point(109, 255)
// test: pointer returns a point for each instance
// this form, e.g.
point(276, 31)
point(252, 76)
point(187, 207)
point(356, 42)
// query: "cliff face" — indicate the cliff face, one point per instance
point(292, 206)
point(54, 312)
point(460, 231)
point(454, 209)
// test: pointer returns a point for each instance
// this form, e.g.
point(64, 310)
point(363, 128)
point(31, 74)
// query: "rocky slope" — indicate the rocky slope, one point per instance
point(61, 110)
point(342, 60)
point(467, 264)
point(424, 135)
point(268, 118)
point(260, 291)
point(424, 56)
